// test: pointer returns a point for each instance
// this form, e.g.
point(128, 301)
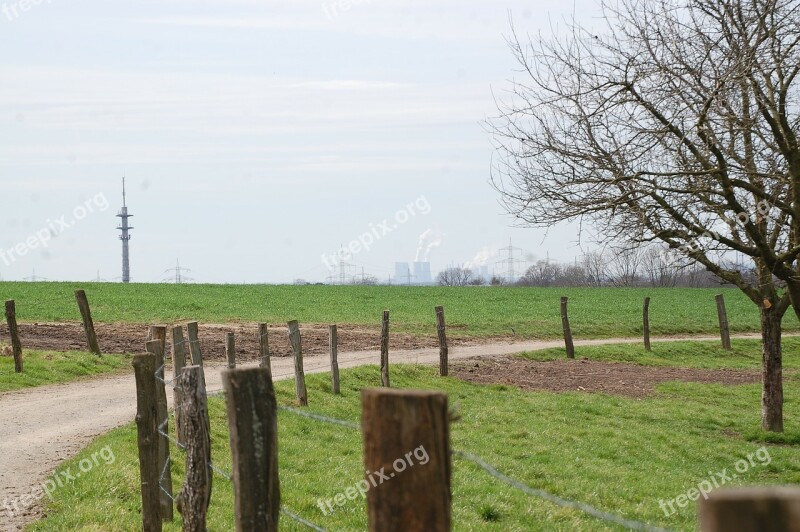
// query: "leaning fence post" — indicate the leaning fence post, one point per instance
point(13, 331)
point(195, 496)
point(333, 336)
point(773, 509)
point(724, 331)
point(299, 374)
point(253, 424)
point(567, 330)
point(263, 344)
point(156, 347)
point(194, 343)
point(144, 367)
point(407, 438)
point(646, 323)
point(88, 324)
point(230, 350)
point(443, 352)
point(178, 363)
point(385, 349)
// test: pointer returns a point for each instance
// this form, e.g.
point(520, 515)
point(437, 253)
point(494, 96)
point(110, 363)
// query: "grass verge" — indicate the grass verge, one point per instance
point(52, 367)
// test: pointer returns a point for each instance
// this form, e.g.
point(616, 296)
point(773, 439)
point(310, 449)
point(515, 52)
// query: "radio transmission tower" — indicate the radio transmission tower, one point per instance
point(509, 263)
point(125, 236)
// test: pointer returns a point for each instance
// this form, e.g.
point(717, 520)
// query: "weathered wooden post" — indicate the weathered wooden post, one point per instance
point(443, 352)
point(567, 330)
point(407, 438)
point(13, 331)
point(763, 509)
point(385, 349)
point(333, 341)
point(263, 344)
point(178, 363)
point(299, 374)
point(144, 367)
point(646, 323)
point(156, 347)
point(195, 496)
point(230, 350)
point(253, 424)
point(724, 331)
point(88, 324)
point(192, 329)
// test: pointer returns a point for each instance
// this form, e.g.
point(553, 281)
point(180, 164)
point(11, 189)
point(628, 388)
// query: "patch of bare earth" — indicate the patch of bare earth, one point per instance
point(130, 338)
point(589, 376)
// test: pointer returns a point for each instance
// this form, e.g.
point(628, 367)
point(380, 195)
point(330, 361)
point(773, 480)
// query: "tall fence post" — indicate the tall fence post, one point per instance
point(195, 496)
point(443, 352)
point(88, 324)
point(156, 347)
point(646, 323)
point(178, 363)
point(144, 367)
point(253, 424)
point(333, 341)
point(299, 374)
point(767, 509)
point(407, 437)
point(13, 331)
point(230, 350)
point(567, 330)
point(263, 344)
point(192, 329)
point(385, 349)
point(724, 330)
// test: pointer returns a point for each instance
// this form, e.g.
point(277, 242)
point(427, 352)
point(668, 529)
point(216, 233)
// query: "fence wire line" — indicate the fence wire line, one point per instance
point(299, 519)
point(566, 503)
point(320, 417)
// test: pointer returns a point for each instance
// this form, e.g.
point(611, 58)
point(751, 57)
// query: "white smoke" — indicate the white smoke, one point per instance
point(481, 258)
point(432, 244)
point(421, 245)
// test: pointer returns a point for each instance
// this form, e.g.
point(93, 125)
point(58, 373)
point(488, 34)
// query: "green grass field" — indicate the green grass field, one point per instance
point(50, 367)
point(473, 311)
point(620, 455)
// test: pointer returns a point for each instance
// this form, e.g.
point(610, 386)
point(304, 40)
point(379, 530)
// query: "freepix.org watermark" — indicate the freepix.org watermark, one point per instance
point(14, 10)
point(376, 232)
point(715, 480)
point(53, 228)
point(332, 9)
point(374, 480)
point(15, 506)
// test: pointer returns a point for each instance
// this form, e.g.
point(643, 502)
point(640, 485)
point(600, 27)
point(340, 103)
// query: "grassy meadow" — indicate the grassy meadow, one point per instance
point(51, 367)
point(621, 455)
point(470, 311)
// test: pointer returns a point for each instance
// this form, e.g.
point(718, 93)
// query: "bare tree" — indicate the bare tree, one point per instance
point(624, 266)
point(660, 269)
point(676, 123)
point(542, 273)
point(594, 264)
point(455, 277)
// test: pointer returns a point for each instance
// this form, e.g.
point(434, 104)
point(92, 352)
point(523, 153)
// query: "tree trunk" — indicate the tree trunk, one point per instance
point(772, 372)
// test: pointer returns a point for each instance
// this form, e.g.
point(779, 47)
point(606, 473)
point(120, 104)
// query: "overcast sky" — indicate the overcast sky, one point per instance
point(256, 136)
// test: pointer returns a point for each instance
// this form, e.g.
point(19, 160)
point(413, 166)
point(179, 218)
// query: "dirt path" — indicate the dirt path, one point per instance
point(41, 427)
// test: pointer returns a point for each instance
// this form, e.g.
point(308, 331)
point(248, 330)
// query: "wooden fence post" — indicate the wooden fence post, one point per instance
point(724, 331)
point(88, 324)
point(443, 352)
point(263, 343)
point(567, 330)
point(159, 333)
point(253, 424)
point(385, 349)
point(646, 323)
point(230, 350)
point(195, 496)
point(333, 337)
point(763, 509)
point(178, 363)
point(156, 347)
point(13, 331)
point(407, 437)
point(144, 367)
point(299, 374)
point(192, 329)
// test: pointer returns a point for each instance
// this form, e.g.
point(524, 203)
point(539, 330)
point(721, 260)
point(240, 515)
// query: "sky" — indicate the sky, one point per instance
point(257, 137)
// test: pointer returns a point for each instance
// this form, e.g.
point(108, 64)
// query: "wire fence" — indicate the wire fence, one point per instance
point(491, 470)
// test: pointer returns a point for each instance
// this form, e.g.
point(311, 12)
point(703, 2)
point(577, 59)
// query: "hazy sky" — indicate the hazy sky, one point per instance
point(256, 136)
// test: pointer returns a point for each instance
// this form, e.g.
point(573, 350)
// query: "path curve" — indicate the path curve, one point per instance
point(44, 426)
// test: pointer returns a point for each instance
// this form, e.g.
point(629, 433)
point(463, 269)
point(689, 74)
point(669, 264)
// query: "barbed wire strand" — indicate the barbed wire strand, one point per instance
point(299, 519)
point(566, 503)
point(320, 417)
